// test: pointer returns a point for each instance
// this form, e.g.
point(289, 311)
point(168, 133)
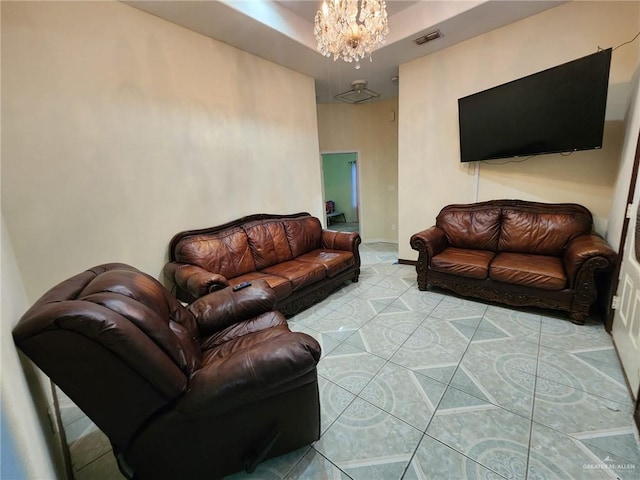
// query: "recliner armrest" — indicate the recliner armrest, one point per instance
point(262, 367)
point(583, 248)
point(430, 241)
point(222, 308)
point(263, 321)
point(194, 280)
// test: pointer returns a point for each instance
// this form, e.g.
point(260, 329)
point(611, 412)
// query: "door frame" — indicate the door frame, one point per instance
point(615, 275)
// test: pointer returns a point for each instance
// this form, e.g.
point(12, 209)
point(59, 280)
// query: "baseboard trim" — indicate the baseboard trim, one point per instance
point(378, 240)
point(402, 261)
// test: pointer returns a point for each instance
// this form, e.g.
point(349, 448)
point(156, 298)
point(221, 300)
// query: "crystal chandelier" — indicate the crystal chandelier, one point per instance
point(351, 29)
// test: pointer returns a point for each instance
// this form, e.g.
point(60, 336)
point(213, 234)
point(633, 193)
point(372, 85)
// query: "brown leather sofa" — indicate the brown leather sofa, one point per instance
point(193, 392)
point(302, 262)
point(517, 253)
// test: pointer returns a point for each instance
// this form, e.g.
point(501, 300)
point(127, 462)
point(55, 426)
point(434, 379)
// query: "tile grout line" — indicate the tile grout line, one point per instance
point(533, 404)
point(386, 362)
point(287, 470)
point(357, 395)
point(435, 410)
point(423, 432)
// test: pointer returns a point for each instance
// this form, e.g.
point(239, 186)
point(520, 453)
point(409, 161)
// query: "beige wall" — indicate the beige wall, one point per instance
point(372, 131)
point(120, 129)
point(430, 173)
point(25, 393)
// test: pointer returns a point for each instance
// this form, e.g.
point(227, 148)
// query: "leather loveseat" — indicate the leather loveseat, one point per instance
point(302, 262)
point(515, 252)
point(193, 392)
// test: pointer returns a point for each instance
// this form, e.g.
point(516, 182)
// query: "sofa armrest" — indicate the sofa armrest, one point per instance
point(430, 241)
point(262, 368)
point(348, 241)
point(220, 309)
point(194, 280)
point(584, 248)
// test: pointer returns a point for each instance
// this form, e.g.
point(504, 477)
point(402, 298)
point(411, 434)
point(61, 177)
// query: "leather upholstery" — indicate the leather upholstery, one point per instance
point(465, 262)
point(582, 249)
point(302, 262)
point(226, 253)
point(181, 392)
point(541, 233)
point(269, 243)
point(303, 235)
point(515, 252)
point(477, 228)
point(539, 271)
point(332, 261)
point(300, 274)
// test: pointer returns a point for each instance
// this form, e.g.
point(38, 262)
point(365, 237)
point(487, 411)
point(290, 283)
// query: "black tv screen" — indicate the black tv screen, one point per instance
point(557, 110)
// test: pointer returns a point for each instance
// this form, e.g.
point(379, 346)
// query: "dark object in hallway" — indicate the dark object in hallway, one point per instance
point(517, 253)
point(182, 392)
point(297, 258)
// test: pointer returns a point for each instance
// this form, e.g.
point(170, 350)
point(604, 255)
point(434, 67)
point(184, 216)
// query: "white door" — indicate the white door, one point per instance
point(626, 320)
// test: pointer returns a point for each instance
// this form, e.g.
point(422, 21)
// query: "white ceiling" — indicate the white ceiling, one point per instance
point(282, 32)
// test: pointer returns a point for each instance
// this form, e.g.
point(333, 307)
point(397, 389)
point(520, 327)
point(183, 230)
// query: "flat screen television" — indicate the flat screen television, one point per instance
point(560, 109)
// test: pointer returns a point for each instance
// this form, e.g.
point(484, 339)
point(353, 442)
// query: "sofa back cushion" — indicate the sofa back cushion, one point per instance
point(226, 252)
point(268, 242)
point(469, 226)
point(303, 234)
point(542, 232)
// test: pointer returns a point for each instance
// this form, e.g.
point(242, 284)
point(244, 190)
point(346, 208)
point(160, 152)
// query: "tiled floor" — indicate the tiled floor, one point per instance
point(424, 385)
point(346, 226)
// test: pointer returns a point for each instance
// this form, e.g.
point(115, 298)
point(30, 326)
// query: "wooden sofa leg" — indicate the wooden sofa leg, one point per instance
point(577, 318)
point(422, 285)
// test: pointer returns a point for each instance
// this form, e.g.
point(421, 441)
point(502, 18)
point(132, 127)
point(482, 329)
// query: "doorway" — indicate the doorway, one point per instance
point(341, 196)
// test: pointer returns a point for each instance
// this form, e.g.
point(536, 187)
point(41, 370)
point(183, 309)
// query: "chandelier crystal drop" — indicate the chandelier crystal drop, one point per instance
point(351, 29)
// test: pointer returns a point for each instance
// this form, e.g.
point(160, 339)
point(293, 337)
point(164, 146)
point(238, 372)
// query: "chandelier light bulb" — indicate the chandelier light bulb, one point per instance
point(351, 29)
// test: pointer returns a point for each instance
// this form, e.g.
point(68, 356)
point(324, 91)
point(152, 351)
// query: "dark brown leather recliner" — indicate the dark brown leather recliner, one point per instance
point(182, 392)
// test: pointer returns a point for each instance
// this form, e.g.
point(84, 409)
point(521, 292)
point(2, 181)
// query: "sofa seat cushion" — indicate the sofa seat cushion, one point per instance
point(333, 261)
point(539, 271)
point(464, 262)
point(298, 273)
point(281, 285)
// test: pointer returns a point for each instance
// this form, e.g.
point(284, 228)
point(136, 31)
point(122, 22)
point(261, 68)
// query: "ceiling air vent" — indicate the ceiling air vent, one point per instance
point(428, 37)
point(359, 93)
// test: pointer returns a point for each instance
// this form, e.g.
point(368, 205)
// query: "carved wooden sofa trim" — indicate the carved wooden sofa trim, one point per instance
point(517, 253)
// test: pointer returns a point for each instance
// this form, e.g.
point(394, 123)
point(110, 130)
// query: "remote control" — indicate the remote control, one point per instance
point(240, 286)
